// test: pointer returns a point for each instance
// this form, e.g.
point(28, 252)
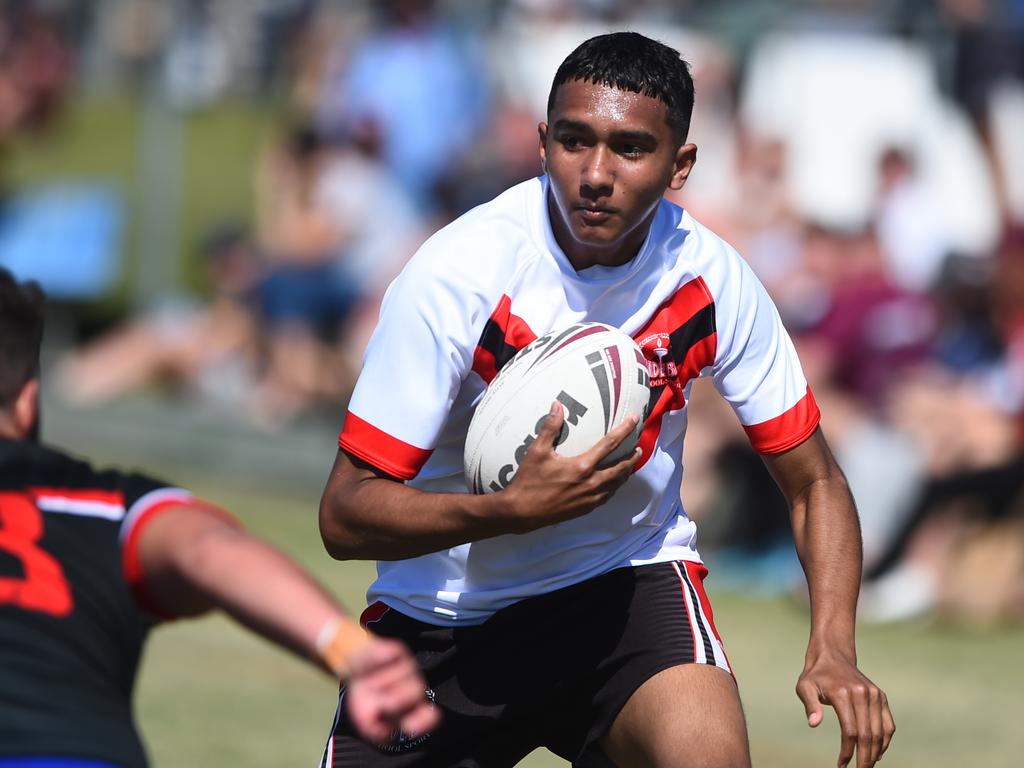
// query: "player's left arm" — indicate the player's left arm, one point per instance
point(827, 535)
point(194, 558)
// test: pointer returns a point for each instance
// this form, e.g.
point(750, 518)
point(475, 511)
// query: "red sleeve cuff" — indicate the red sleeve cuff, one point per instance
point(131, 563)
point(787, 430)
point(142, 513)
point(378, 448)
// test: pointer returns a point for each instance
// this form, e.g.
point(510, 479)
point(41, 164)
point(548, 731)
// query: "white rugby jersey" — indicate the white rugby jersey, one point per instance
point(488, 284)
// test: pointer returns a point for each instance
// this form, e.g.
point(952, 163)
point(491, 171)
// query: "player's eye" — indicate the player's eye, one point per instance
point(631, 150)
point(570, 142)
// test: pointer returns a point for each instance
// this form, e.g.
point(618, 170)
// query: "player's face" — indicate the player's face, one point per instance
point(610, 156)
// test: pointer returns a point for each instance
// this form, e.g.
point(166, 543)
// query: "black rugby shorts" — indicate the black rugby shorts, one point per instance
point(550, 671)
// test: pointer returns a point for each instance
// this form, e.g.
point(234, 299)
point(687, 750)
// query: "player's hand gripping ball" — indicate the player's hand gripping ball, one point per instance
point(596, 372)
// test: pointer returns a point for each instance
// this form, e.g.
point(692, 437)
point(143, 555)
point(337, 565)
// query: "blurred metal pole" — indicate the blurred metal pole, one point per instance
point(161, 142)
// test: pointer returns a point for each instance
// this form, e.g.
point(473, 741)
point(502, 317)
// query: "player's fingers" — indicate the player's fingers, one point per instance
point(551, 426)
point(408, 693)
point(611, 440)
point(423, 719)
point(619, 472)
point(808, 693)
point(877, 728)
point(379, 731)
point(888, 724)
point(861, 711)
point(367, 716)
point(847, 726)
point(392, 677)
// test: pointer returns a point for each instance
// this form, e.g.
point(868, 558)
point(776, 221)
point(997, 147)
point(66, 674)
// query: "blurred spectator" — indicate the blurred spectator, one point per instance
point(414, 88)
point(206, 349)
point(304, 296)
point(968, 423)
point(335, 227)
point(197, 66)
point(908, 223)
point(872, 331)
point(838, 101)
point(35, 66)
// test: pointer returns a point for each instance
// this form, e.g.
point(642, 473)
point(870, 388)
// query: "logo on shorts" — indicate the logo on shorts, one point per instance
point(404, 742)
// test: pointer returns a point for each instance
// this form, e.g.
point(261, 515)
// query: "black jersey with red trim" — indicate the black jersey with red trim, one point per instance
point(71, 626)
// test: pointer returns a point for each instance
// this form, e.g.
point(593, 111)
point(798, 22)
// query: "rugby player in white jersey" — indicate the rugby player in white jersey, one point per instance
point(567, 610)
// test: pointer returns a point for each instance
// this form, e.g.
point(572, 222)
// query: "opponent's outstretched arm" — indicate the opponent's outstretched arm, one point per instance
point(827, 535)
point(367, 514)
point(195, 558)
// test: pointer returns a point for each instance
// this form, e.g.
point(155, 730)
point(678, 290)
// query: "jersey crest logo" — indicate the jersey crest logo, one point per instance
point(657, 349)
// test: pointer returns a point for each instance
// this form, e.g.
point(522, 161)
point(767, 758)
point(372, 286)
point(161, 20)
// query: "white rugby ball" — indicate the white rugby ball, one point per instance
point(596, 372)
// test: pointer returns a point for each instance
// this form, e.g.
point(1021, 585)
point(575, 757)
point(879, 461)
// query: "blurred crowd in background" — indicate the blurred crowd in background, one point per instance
point(865, 156)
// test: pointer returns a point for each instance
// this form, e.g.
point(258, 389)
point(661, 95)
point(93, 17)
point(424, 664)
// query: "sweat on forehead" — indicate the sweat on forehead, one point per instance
point(581, 102)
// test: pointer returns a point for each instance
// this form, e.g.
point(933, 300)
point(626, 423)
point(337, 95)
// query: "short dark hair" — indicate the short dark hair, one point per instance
point(631, 62)
point(21, 334)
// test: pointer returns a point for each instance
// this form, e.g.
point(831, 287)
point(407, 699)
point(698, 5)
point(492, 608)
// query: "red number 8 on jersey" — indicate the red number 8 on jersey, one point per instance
point(43, 587)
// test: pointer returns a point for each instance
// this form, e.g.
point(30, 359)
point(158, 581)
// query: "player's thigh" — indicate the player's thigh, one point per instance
point(685, 716)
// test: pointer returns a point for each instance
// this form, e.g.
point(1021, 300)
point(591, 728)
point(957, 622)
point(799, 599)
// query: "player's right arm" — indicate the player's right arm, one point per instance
point(191, 558)
point(367, 514)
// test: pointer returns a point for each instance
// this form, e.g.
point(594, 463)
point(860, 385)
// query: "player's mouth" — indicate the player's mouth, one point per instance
point(594, 215)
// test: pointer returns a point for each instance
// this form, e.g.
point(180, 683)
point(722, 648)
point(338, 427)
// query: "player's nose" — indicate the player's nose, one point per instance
point(596, 175)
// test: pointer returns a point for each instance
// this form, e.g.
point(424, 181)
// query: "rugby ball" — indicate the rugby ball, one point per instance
point(596, 372)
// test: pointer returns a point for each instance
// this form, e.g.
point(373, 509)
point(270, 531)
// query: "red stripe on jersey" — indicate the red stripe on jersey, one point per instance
point(787, 430)
point(686, 302)
point(374, 446)
point(700, 356)
point(652, 427)
point(100, 495)
point(503, 336)
point(674, 313)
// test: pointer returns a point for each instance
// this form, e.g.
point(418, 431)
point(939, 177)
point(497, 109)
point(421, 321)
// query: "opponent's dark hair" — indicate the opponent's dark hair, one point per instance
point(21, 334)
point(631, 62)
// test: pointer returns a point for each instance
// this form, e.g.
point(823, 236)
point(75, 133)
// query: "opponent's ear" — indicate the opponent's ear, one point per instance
point(685, 158)
point(542, 134)
point(26, 409)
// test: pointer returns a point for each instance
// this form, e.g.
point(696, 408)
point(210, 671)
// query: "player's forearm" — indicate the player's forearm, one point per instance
point(827, 535)
point(262, 589)
point(378, 519)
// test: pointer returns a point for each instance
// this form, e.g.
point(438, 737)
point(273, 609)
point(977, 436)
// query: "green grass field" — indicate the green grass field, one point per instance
point(212, 695)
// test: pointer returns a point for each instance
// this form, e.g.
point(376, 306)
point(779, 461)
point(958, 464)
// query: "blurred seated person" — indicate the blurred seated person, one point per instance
point(208, 349)
point(334, 228)
point(966, 412)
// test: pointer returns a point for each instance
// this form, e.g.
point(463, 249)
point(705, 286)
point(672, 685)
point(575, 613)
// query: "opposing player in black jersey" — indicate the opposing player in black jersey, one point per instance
point(91, 560)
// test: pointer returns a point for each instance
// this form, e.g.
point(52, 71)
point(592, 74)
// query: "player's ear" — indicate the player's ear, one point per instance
point(685, 158)
point(542, 134)
point(26, 409)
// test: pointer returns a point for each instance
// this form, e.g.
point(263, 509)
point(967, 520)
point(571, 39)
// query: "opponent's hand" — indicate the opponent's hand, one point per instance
point(386, 693)
point(865, 720)
point(549, 488)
